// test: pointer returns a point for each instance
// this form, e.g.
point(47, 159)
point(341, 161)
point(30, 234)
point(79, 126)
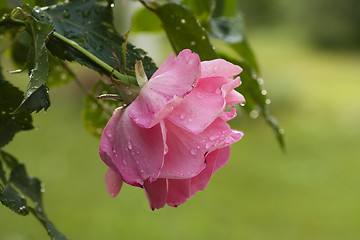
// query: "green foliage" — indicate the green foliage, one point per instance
point(256, 99)
point(184, 31)
point(37, 97)
point(11, 123)
point(20, 186)
point(90, 25)
point(14, 200)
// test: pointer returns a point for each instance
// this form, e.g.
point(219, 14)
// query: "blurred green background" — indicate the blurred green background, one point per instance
point(311, 66)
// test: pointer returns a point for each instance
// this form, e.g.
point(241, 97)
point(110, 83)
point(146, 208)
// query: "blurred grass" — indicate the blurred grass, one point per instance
point(310, 192)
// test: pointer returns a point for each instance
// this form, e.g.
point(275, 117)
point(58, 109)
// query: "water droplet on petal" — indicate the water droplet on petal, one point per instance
point(212, 138)
point(193, 152)
point(130, 145)
point(182, 116)
point(208, 145)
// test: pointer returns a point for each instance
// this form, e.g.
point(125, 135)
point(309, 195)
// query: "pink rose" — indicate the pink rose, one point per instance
point(174, 136)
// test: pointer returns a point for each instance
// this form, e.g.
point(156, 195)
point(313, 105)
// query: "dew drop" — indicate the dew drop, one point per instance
point(183, 21)
point(130, 145)
point(112, 5)
point(208, 145)
point(267, 101)
point(242, 104)
point(203, 37)
point(263, 92)
point(63, 76)
point(182, 116)
point(66, 13)
point(192, 43)
point(124, 162)
point(108, 133)
point(254, 114)
point(260, 81)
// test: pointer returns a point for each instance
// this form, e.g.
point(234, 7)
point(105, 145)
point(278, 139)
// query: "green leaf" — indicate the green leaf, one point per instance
point(145, 21)
point(11, 123)
point(30, 186)
point(14, 200)
point(91, 26)
point(184, 31)
point(232, 31)
point(256, 99)
point(8, 159)
point(96, 113)
point(2, 175)
point(37, 97)
point(49, 226)
point(203, 9)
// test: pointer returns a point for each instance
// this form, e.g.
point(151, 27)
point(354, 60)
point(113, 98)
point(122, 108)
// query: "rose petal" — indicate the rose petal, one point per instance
point(131, 149)
point(219, 67)
point(199, 182)
point(214, 161)
point(178, 192)
point(234, 97)
point(156, 193)
point(113, 182)
point(199, 108)
point(165, 89)
point(222, 158)
point(226, 116)
point(186, 151)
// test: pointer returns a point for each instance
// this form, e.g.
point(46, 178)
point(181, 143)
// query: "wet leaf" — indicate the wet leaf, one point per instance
point(96, 113)
point(37, 97)
point(30, 186)
point(2, 175)
point(184, 31)
point(203, 9)
point(232, 31)
point(256, 100)
point(51, 230)
point(91, 26)
point(11, 123)
point(14, 200)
